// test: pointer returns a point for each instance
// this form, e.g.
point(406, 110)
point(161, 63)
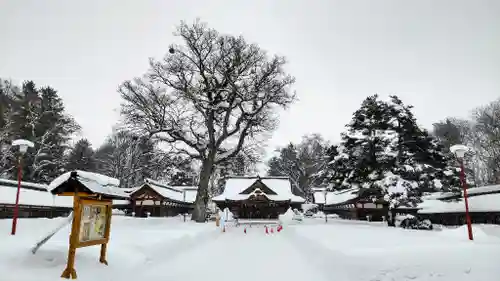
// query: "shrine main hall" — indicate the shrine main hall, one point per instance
point(258, 197)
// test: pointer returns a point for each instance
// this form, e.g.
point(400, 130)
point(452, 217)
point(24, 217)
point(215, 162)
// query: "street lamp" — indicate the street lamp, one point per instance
point(459, 151)
point(325, 192)
point(23, 147)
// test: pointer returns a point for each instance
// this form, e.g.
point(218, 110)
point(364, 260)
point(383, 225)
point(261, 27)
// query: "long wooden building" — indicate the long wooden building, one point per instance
point(34, 201)
point(157, 199)
point(357, 204)
point(446, 208)
point(449, 208)
point(258, 197)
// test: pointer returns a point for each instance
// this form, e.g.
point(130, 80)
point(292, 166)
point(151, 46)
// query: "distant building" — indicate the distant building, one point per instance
point(158, 199)
point(258, 197)
point(448, 208)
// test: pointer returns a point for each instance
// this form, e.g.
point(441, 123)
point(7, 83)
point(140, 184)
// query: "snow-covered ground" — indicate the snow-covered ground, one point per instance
point(169, 249)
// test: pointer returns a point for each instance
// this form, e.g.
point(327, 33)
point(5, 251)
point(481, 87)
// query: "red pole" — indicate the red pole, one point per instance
point(16, 207)
point(466, 199)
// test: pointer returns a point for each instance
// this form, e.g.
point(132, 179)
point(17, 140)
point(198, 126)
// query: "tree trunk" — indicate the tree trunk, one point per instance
point(200, 205)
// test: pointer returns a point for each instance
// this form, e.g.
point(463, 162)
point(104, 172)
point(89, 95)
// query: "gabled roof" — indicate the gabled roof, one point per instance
point(336, 197)
point(90, 182)
point(235, 188)
point(174, 193)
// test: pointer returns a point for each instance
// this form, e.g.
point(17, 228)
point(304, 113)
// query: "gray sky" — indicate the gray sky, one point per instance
point(441, 56)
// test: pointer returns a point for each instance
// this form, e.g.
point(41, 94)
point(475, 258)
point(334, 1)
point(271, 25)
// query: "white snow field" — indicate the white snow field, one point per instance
point(169, 249)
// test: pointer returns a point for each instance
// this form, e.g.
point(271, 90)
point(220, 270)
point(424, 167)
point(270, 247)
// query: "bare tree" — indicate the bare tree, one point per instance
point(453, 131)
point(302, 163)
point(487, 140)
point(207, 98)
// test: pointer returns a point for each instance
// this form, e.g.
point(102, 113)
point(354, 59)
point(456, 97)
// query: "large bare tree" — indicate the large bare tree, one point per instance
point(208, 97)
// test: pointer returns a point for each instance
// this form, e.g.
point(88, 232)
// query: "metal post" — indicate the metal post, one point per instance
point(324, 209)
point(16, 207)
point(466, 199)
point(184, 199)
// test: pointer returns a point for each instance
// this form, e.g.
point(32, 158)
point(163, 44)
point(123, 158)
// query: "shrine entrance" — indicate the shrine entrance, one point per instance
point(260, 207)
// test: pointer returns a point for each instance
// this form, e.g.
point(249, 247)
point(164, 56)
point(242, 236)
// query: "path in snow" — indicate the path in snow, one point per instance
point(238, 256)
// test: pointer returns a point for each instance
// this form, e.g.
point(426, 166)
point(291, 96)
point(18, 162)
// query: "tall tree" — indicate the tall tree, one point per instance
point(208, 97)
point(7, 93)
point(81, 157)
point(130, 158)
point(337, 169)
point(39, 115)
point(302, 163)
point(453, 131)
point(390, 155)
point(487, 140)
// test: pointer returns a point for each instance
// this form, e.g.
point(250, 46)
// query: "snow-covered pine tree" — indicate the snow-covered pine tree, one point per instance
point(366, 144)
point(53, 131)
point(390, 154)
point(421, 163)
point(39, 116)
point(337, 169)
point(81, 157)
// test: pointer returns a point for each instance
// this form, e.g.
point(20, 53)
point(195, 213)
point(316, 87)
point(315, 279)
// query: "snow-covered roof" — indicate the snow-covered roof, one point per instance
point(439, 195)
point(130, 189)
point(339, 197)
point(280, 185)
point(32, 197)
point(335, 197)
point(96, 183)
point(480, 203)
point(175, 193)
point(484, 189)
point(24, 184)
point(190, 191)
point(481, 199)
point(165, 190)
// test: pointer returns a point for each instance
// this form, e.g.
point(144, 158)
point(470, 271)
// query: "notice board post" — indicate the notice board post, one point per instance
point(92, 209)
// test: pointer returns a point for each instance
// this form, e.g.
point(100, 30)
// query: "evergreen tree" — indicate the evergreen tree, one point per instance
point(39, 116)
point(81, 157)
point(391, 155)
point(366, 143)
point(337, 169)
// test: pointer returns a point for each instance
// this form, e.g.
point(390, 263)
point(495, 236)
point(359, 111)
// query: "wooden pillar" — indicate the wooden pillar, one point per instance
point(70, 271)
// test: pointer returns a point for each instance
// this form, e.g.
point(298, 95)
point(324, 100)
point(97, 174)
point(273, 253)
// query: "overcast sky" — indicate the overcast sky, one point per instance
point(443, 57)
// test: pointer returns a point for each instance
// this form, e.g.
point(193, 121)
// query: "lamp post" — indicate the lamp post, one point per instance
point(325, 192)
point(459, 151)
point(184, 201)
point(23, 147)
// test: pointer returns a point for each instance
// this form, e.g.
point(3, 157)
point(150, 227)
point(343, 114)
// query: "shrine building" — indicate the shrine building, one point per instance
point(258, 197)
point(157, 199)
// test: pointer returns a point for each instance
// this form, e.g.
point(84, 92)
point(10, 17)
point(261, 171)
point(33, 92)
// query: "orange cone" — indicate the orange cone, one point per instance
point(267, 231)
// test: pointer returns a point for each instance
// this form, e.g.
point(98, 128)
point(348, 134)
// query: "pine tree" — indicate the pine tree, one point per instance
point(52, 133)
point(388, 153)
point(366, 143)
point(39, 116)
point(337, 169)
point(81, 157)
